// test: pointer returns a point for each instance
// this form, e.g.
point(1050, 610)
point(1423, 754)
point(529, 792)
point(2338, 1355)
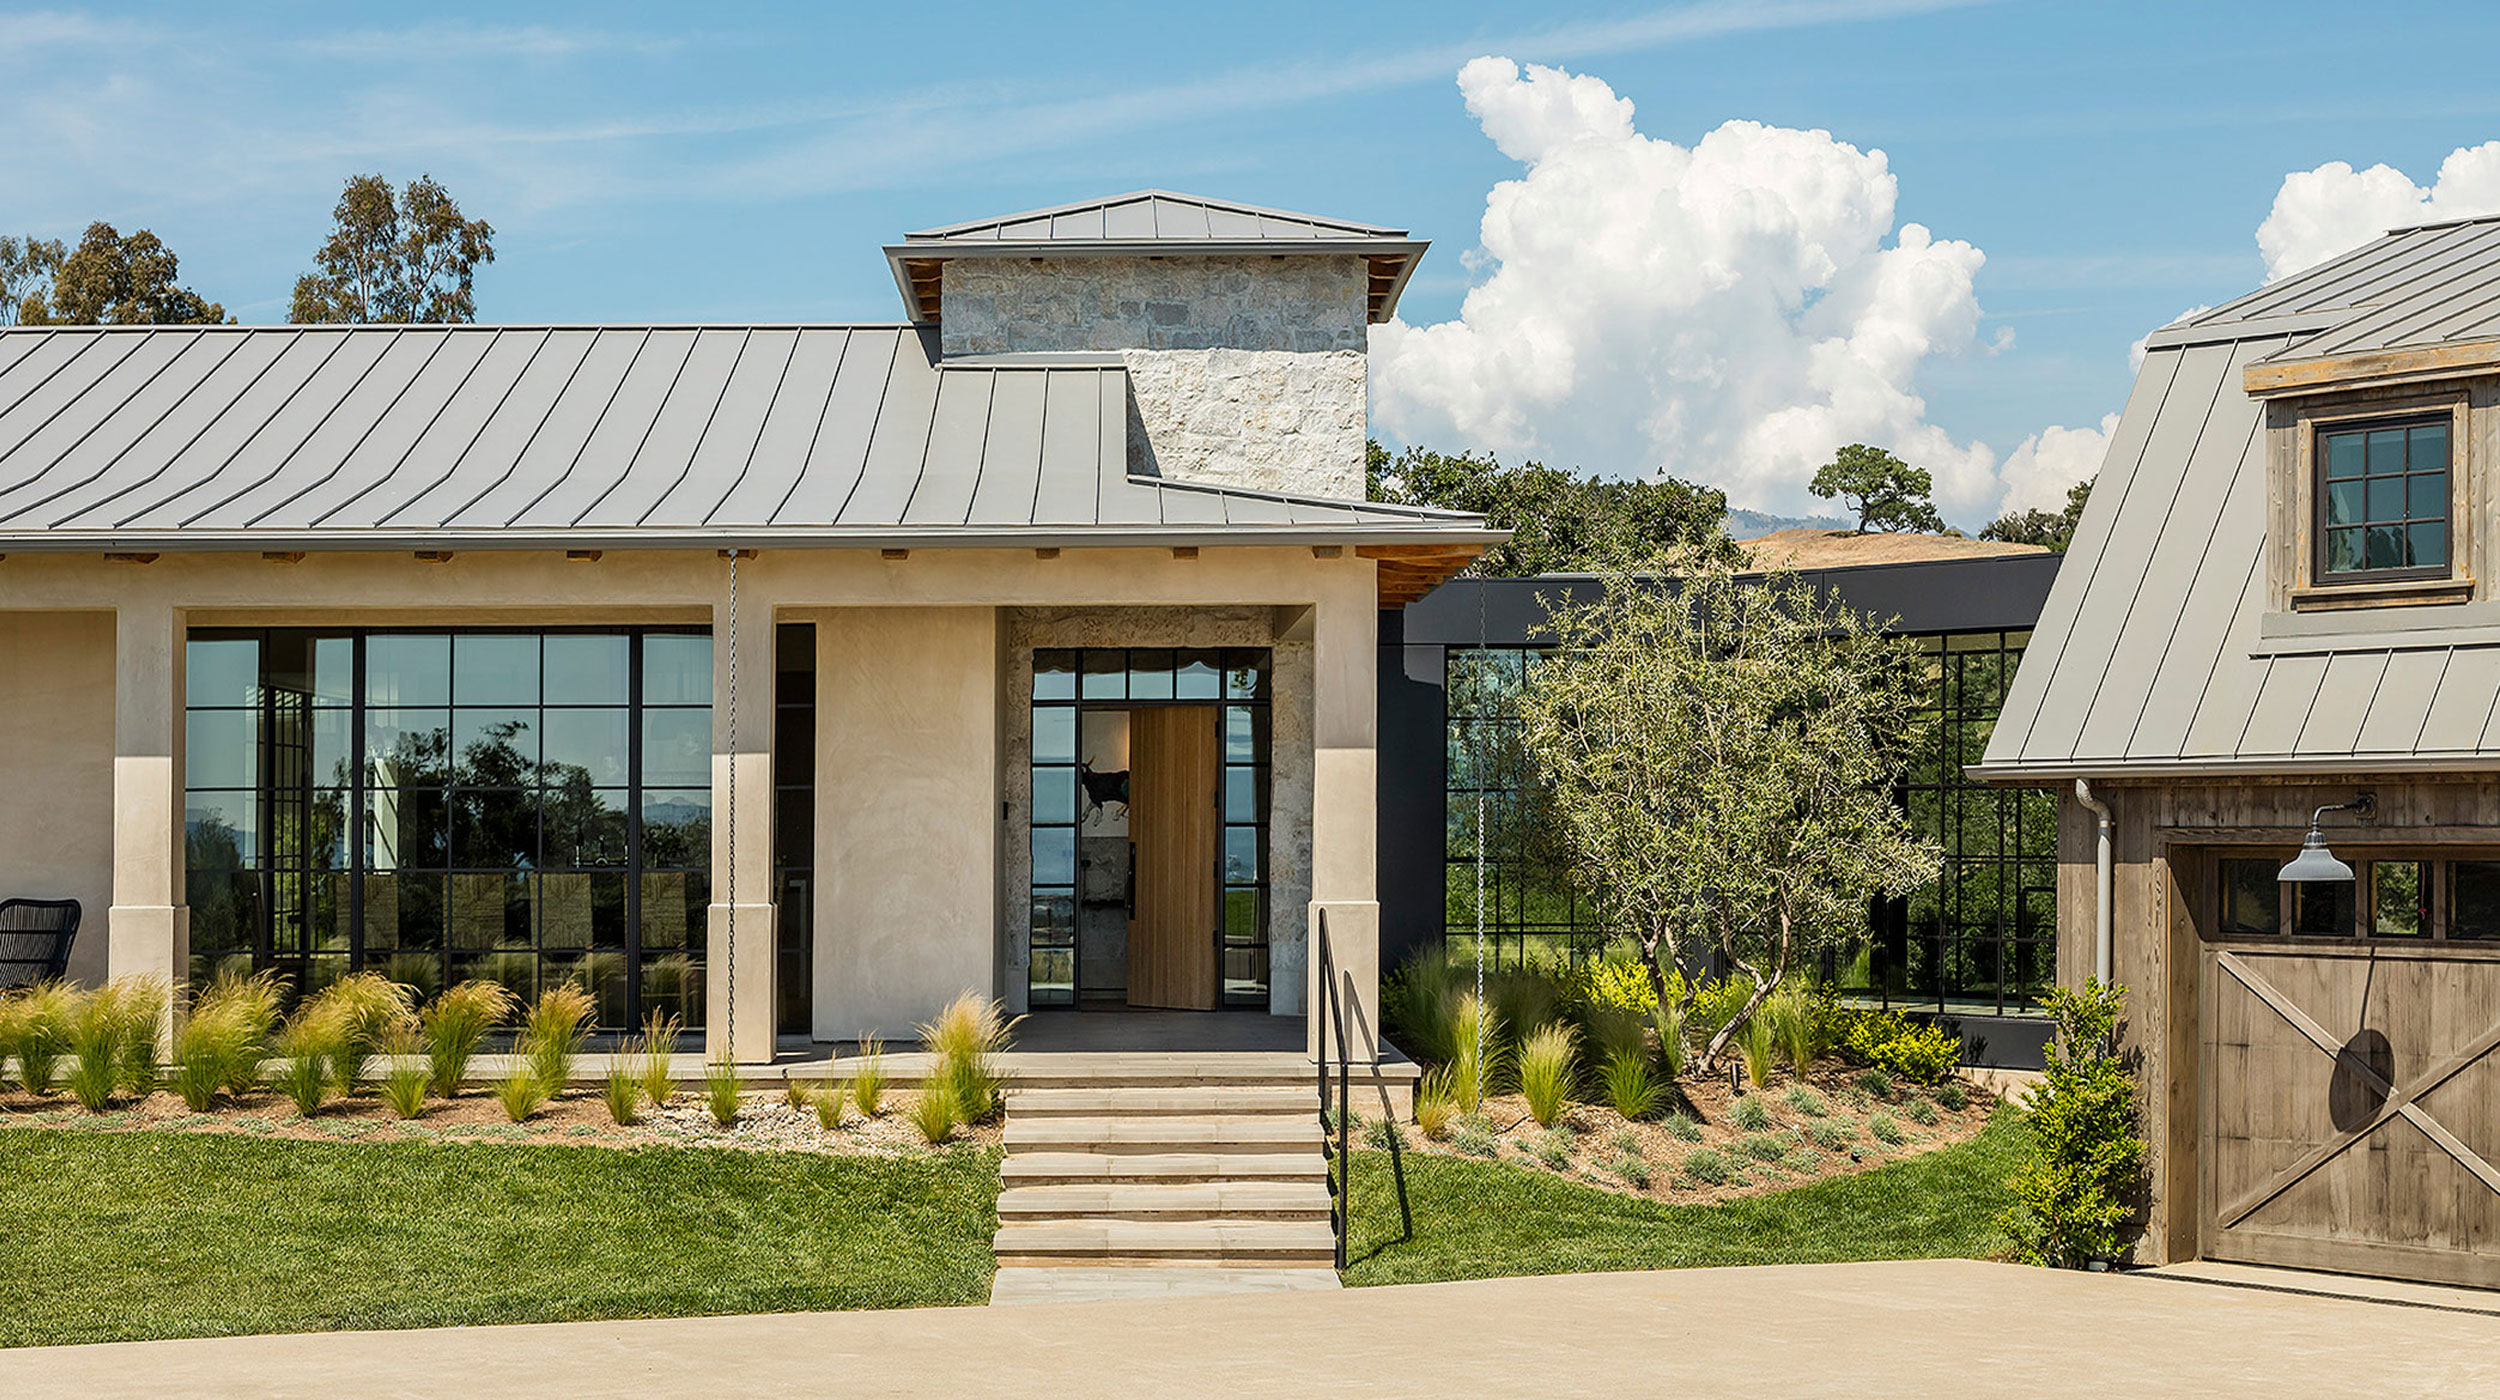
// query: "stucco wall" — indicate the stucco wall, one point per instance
point(907, 789)
point(1244, 371)
point(56, 753)
point(1289, 750)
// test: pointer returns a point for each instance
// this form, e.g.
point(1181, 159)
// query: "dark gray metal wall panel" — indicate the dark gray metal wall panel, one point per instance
point(1411, 793)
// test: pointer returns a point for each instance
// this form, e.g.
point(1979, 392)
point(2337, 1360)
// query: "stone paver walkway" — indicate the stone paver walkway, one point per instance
point(1844, 1331)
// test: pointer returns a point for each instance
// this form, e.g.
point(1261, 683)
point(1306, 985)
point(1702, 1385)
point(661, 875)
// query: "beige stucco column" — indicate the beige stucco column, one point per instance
point(1344, 838)
point(147, 930)
point(739, 1004)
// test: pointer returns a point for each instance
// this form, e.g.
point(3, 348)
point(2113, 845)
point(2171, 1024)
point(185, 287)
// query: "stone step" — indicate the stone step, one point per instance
point(1206, 1200)
point(1115, 1136)
point(1076, 1284)
point(1098, 1168)
point(1149, 1243)
point(1209, 1101)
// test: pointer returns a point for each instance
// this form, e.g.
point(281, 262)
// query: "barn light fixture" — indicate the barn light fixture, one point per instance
point(2315, 862)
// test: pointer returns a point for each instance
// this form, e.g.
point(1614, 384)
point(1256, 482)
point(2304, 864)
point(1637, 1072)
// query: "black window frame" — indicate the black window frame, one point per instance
point(2322, 571)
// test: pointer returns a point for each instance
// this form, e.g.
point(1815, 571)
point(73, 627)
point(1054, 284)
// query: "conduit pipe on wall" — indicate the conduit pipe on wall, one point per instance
point(2102, 920)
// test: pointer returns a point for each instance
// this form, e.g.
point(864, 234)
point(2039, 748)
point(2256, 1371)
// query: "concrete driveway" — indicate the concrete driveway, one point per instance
point(1849, 1331)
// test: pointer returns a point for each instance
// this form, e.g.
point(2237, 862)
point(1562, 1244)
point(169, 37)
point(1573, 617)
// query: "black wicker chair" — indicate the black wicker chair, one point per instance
point(35, 935)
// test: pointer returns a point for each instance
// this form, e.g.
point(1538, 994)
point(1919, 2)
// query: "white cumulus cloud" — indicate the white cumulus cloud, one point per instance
point(1730, 312)
point(2037, 473)
point(2333, 209)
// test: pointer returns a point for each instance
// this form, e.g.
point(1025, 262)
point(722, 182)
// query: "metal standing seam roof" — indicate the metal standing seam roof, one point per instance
point(1153, 223)
point(326, 437)
point(2151, 655)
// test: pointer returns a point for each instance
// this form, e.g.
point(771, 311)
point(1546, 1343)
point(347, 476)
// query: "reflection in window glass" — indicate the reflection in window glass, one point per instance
point(2323, 908)
point(589, 669)
point(2400, 900)
point(2252, 896)
point(2474, 899)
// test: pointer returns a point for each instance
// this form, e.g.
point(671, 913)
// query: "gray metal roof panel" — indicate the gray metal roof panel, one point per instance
point(1152, 214)
point(2402, 702)
point(374, 437)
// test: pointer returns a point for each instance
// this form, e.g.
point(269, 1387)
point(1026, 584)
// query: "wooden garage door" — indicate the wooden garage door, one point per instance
point(2352, 1113)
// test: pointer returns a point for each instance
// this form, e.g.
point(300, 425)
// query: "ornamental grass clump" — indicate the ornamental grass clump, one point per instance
point(796, 1095)
point(34, 1030)
point(1630, 1086)
point(1762, 1147)
point(652, 1055)
point(369, 1009)
point(1709, 1166)
point(966, 1037)
point(1805, 1102)
point(405, 1075)
point(1750, 1113)
point(1919, 1111)
point(219, 1047)
point(1683, 1127)
point(552, 1032)
point(868, 1081)
point(622, 1092)
point(934, 1112)
point(1475, 1052)
point(1951, 1096)
point(1760, 1048)
point(1795, 1025)
point(112, 1032)
point(309, 1047)
point(1546, 1062)
point(720, 1091)
point(1835, 1134)
point(1887, 1129)
point(1436, 1103)
point(456, 1023)
point(831, 1105)
point(521, 1092)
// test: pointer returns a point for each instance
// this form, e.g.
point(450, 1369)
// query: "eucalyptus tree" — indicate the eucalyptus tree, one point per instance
point(112, 279)
point(1720, 756)
point(395, 256)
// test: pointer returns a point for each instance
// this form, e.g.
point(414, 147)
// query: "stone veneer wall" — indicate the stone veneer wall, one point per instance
point(1244, 371)
point(1289, 780)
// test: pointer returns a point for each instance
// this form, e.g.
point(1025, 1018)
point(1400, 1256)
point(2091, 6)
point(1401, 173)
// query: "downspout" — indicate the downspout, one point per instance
point(2102, 920)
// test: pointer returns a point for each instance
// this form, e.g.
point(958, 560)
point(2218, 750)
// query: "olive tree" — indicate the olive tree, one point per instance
point(1720, 756)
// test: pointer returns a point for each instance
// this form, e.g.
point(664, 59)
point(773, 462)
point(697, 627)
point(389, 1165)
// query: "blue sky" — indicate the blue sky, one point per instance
point(720, 163)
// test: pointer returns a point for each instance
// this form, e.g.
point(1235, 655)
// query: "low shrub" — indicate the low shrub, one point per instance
point(1615, 984)
point(1750, 1113)
point(1762, 1147)
point(1887, 1129)
point(720, 1091)
point(1546, 1063)
point(934, 1112)
point(1834, 1134)
point(1913, 1050)
point(1633, 1170)
point(1683, 1127)
point(1555, 1146)
point(1919, 1111)
point(1383, 1134)
point(1952, 1095)
point(552, 1032)
point(521, 1092)
point(1714, 1004)
point(1474, 1136)
point(1878, 1084)
point(2076, 1194)
point(1803, 1161)
point(1625, 1142)
point(455, 1024)
point(1805, 1101)
point(404, 1079)
point(1709, 1167)
point(868, 1080)
point(622, 1091)
point(1630, 1087)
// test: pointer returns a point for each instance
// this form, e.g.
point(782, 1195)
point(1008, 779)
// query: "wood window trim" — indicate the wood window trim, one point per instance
point(2308, 591)
point(2436, 858)
point(2313, 421)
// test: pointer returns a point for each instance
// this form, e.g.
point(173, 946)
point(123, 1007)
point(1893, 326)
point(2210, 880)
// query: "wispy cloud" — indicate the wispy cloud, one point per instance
point(454, 40)
point(22, 35)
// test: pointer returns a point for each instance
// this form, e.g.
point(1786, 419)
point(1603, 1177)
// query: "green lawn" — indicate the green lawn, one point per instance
point(1479, 1219)
point(114, 1236)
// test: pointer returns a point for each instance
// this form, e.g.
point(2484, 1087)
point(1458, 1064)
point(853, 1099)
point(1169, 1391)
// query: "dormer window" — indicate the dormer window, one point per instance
point(2383, 500)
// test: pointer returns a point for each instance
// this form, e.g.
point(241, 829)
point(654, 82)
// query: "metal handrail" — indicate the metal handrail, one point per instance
point(1333, 997)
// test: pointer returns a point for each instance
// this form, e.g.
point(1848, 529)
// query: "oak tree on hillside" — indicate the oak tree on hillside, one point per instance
point(1887, 493)
point(395, 257)
point(2054, 529)
point(110, 280)
point(1561, 522)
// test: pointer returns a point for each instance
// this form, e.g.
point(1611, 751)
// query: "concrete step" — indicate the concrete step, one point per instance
point(1075, 1284)
point(1207, 1200)
point(1209, 1101)
point(1116, 1136)
point(1099, 1168)
point(1149, 1243)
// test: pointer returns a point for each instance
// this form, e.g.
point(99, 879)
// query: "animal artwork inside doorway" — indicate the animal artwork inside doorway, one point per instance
point(1103, 789)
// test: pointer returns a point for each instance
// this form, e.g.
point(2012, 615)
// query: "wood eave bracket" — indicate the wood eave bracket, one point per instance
point(2372, 368)
point(1409, 571)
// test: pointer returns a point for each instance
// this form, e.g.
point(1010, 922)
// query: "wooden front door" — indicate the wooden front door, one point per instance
point(1172, 824)
point(2352, 1116)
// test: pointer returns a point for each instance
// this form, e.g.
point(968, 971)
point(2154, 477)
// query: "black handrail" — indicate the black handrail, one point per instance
point(1333, 997)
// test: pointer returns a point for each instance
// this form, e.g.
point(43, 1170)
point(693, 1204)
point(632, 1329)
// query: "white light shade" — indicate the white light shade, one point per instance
point(2314, 863)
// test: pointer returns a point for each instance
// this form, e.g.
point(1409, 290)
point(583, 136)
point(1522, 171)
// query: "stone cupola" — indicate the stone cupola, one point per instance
point(1243, 329)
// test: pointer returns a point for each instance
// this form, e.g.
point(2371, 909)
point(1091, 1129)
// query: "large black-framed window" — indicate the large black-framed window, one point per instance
point(1980, 938)
point(2382, 494)
point(1069, 681)
point(530, 806)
